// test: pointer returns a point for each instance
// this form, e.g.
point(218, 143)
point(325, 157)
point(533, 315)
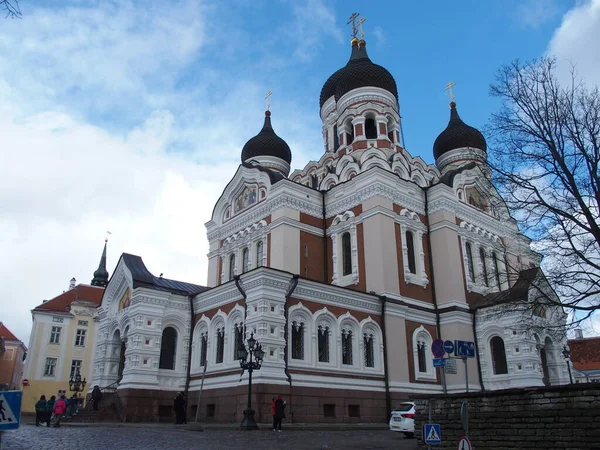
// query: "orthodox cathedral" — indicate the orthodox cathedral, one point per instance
point(345, 271)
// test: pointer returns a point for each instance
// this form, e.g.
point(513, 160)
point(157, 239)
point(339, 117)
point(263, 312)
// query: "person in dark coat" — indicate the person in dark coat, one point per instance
point(179, 407)
point(96, 397)
point(273, 413)
point(49, 409)
point(279, 412)
point(40, 410)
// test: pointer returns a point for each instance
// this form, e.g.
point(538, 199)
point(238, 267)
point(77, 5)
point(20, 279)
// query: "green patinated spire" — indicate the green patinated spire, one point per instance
point(101, 274)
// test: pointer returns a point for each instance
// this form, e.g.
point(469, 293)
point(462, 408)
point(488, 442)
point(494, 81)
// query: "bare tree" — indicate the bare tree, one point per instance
point(12, 8)
point(544, 149)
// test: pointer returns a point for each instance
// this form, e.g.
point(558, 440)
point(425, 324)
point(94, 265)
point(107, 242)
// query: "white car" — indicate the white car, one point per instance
point(403, 419)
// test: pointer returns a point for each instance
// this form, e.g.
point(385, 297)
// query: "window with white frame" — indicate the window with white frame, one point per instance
point(297, 340)
point(346, 254)
point(498, 354)
point(423, 366)
point(231, 266)
point(220, 350)
point(49, 369)
point(55, 335)
point(413, 256)
point(323, 343)
point(483, 265)
point(347, 345)
point(75, 367)
point(203, 347)
point(238, 339)
point(259, 253)
point(369, 349)
point(245, 260)
point(470, 265)
point(410, 252)
point(345, 249)
point(80, 338)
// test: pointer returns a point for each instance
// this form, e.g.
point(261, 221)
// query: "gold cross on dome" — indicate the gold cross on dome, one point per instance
point(448, 88)
point(352, 20)
point(267, 98)
point(359, 23)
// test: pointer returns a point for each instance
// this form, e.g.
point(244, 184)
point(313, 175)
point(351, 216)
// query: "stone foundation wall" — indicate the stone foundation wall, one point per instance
point(304, 405)
point(564, 417)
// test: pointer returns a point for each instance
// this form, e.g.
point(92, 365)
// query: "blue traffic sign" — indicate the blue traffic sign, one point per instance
point(465, 349)
point(10, 409)
point(432, 433)
point(437, 348)
point(439, 362)
point(449, 347)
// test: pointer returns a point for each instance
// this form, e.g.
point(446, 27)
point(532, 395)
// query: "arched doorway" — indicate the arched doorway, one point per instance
point(118, 348)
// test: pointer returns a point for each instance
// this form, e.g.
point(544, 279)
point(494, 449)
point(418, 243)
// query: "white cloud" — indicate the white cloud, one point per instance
point(535, 13)
point(576, 41)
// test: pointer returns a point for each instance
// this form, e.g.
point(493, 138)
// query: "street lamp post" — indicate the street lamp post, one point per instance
point(246, 363)
point(567, 354)
point(76, 384)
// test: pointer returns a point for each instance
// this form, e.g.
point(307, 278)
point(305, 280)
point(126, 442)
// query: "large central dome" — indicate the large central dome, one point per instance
point(359, 72)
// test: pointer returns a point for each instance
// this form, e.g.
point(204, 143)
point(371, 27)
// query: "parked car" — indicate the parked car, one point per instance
point(403, 419)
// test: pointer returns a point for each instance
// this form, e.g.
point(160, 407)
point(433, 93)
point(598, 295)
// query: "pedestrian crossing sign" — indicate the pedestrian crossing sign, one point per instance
point(10, 409)
point(432, 433)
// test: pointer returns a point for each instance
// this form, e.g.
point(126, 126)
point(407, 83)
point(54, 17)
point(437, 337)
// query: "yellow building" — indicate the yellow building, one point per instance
point(62, 340)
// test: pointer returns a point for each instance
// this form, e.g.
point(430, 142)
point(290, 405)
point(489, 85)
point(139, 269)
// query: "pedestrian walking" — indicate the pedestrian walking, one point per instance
point(179, 408)
point(60, 407)
point(49, 409)
point(279, 412)
point(40, 410)
point(273, 410)
point(96, 397)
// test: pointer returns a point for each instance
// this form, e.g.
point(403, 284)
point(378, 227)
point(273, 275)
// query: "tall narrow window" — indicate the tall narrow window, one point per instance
point(469, 251)
point(346, 254)
point(168, 349)
point(369, 350)
point(80, 338)
point(238, 330)
point(323, 343)
point(484, 272)
point(231, 266)
point(50, 366)
point(336, 139)
point(350, 135)
point(203, 348)
point(498, 356)
point(496, 270)
point(75, 367)
point(55, 335)
point(220, 345)
point(245, 260)
point(347, 347)
point(421, 352)
point(314, 181)
point(370, 129)
point(259, 254)
point(410, 250)
point(297, 340)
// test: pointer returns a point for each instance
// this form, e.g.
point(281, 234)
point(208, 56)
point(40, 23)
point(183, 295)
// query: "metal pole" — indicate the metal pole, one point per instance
point(430, 420)
point(570, 375)
point(201, 389)
point(249, 389)
point(444, 386)
point(1, 433)
point(466, 374)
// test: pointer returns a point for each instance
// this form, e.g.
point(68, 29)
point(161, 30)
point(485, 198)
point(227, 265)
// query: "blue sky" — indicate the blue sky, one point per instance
point(130, 116)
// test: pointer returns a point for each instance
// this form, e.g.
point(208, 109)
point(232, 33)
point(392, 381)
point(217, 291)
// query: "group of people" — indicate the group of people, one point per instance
point(51, 411)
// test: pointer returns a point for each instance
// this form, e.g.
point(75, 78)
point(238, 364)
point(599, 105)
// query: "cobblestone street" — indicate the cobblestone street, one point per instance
point(161, 437)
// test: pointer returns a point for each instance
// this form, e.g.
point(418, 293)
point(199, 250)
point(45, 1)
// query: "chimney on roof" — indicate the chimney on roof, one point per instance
point(72, 283)
point(578, 333)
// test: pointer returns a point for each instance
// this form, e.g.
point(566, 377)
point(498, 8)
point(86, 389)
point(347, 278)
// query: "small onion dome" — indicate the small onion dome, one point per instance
point(359, 72)
point(457, 135)
point(267, 143)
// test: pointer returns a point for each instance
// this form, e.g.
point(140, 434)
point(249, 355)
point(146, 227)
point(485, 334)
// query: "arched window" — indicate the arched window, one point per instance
point(203, 348)
point(421, 353)
point(469, 251)
point(297, 340)
point(346, 346)
point(410, 250)
point(231, 266)
point(370, 128)
point(168, 349)
point(422, 361)
point(496, 270)
point(259, 254)
point(350, 135)
point(323, 343)
point(484, 272)
point(245, 260)
point(238, 336)
point(369, 346)
point(336, 138)
point(498, 356)
point(220, 345)
point(346, 254)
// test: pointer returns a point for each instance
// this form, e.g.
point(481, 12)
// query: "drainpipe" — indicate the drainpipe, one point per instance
point(238, 285)
point(325, 244)
point(189, 366)
point(433, 294)
point(294, 284)
point(477, 350)
point(388, 397)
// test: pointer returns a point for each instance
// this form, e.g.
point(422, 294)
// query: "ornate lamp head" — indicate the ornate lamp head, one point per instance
point(242, 354)
point(251, 342)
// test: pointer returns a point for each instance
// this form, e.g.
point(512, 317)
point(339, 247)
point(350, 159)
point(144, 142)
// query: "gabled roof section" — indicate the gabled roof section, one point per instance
point(143, 278)
point(585, 353)
point(519, 291)
point(81, 292)
point(6, 334)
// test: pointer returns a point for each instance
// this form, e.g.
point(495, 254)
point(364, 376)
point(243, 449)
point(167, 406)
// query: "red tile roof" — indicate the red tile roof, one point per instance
point(585, 353)
point(6, 333)
point(81, 292)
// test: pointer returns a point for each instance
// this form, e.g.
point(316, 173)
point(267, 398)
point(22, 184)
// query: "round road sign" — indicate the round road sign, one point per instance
point(464, 444)
point(449, 347)
point(437, 348)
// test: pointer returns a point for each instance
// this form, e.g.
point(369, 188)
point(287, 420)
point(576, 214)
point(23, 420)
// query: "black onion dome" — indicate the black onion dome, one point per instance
point(457, 135)
point(359, 72)
point(267, 143)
